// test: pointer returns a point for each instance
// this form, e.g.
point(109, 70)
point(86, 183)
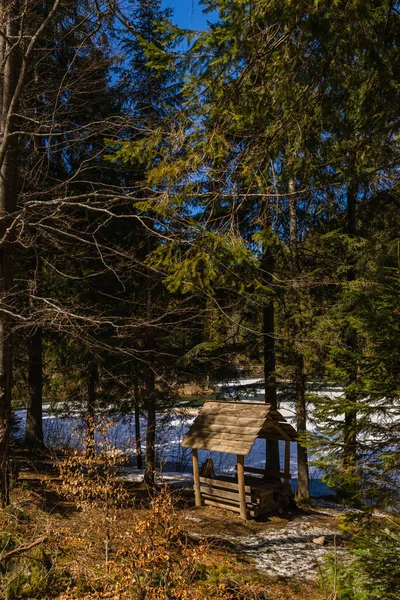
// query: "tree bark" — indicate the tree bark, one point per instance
point(303, 489)
point(34, 417)
point(299, 379)
point(150, 465)
point(8, 202)
point(350, 416)
point(138, 439)
point(272, 462)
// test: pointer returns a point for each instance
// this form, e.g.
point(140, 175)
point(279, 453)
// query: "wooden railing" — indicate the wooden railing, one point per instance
point(225, 494)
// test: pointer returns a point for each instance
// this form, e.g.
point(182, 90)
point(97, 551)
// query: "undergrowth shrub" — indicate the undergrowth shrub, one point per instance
point(163, 562)
point(372, 571)
point(160, 561)
point(28, 567)
point(89, 475)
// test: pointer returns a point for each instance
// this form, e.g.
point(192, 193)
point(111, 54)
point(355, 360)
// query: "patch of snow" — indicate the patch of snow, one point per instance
point(163, 477)
point(289, 551)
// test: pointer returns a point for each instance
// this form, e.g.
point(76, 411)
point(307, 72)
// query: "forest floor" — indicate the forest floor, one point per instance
point(273, 558)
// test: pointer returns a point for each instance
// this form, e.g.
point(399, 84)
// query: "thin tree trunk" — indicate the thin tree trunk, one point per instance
point(138, 439)
point(303, 490)
point(8, 202)
point(350, 417)
point(150, 465)
point(299, 380)
point(272, 462)
point(34, 419)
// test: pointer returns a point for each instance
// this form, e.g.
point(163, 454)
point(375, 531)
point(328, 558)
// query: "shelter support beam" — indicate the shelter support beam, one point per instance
point(241, 486)
point(196, 477)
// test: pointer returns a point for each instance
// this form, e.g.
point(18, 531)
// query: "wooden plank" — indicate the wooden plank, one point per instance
point(249, 505)
point(219, 443)
point(235, 408)
point(231, 495)
point(237, 420)
point(230, 507)
point(258, 407)
point(245, 414)
point(224, 428)
point(196, 477)
point(247, 443)
point(226, 485)
point(242, 411)
point(216, 447)
point(241, 485)
point(221, 505)
point(229, 440)
point(217, 435)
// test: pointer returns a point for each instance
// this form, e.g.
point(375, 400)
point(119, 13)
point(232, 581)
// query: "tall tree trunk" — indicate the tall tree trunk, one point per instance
point(34, 421)
point(299, 380)
point(272, 462)
point(350, 416)
point(150, 465)
point(139, 454)
point(8, 202)
point(303, 489)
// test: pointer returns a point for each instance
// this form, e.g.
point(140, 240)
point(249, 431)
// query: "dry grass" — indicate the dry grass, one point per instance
point(155, 552)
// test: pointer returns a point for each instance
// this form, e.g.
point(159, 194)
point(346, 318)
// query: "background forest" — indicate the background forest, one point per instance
point(185, 207)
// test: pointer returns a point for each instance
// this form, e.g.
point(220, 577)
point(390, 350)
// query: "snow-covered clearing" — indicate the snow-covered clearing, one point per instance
point(60, 430)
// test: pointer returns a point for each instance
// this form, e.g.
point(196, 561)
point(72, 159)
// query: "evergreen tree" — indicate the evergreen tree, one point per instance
point(288, 111)
point(149, 97)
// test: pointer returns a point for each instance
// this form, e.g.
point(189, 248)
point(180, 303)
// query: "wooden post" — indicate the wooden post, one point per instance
point(287, 462)
point(196, 477)
point(241, 486)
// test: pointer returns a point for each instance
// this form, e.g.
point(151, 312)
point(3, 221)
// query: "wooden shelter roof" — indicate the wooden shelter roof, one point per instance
point(233, 427)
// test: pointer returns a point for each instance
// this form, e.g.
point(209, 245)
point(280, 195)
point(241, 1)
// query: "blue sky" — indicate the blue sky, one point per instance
point(188, 13)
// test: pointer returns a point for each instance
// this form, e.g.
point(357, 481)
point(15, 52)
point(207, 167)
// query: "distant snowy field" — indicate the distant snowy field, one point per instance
point(174, 462)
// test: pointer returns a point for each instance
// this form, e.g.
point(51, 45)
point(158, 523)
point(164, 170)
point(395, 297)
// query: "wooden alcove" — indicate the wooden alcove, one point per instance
point(233, 427)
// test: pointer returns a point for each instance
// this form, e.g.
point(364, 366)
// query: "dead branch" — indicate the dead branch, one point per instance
point(23, 548)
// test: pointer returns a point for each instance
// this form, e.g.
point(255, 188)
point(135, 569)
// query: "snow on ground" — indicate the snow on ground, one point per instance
point(170, 477)
point(172, 458)
point(290, 551)
point(61, 431)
